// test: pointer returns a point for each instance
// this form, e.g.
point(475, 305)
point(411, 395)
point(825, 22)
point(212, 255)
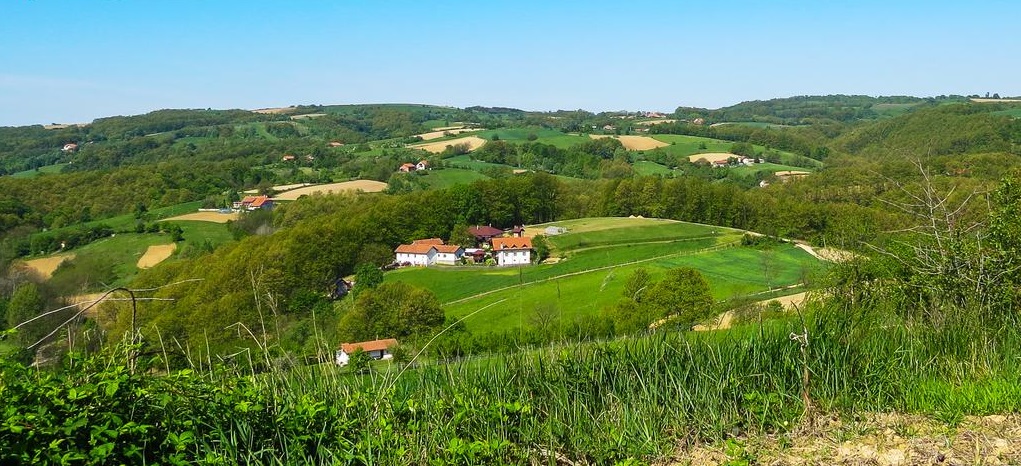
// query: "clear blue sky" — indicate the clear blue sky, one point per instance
point(73, 61)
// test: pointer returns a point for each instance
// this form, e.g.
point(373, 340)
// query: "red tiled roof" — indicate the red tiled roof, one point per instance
point(414, 248)
point(248, 200)
point(428, 241)
point(447, 248)
point(500, 244)
point(259, 201)
point(374, 345)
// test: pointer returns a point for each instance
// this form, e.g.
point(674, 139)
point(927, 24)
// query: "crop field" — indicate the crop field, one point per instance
point(634, 142)
point(368, 186)
point(597, 256)
point(474, 142)
point(215, 217)
point(44, 266)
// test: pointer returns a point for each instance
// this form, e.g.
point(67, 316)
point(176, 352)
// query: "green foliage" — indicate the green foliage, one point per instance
point(367, 277)
point(682, 296)
point(391, 310)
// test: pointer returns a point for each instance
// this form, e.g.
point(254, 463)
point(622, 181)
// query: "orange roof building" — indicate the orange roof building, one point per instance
point(377, 349)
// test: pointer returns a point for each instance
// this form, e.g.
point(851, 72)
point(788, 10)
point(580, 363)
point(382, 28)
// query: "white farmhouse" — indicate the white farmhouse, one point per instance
point(376, 349)
point(448, 254)
point(512, 251)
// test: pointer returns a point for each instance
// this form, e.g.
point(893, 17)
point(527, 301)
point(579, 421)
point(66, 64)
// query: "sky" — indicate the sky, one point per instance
point(74, 61)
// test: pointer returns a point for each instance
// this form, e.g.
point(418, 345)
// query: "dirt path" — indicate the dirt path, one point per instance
point(885, 439)
point(156, 254)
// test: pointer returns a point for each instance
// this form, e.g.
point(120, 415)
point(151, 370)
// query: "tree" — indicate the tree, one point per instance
point(391, 310)
point(367, 277)
point(637, 284)
point(459, 235)
point(27, 302)
point(683, 296)
point(541, 247)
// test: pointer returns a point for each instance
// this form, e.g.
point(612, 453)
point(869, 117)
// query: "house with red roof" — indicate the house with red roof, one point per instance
point(70, 147)
point(254, 203)
point(426, 252)
point(512, 251)
point(406, 168)
point(376, 349)
point(484, 233)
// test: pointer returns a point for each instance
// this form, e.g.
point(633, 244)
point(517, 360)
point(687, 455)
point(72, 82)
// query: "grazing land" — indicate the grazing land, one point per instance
point(368, 186)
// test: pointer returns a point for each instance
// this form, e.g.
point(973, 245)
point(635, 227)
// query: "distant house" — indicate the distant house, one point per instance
point(518, 231)
point(609, 128)
point(70, 147)
point(335, 144)
point(310, 157)
point(407, 168)
point(426, 252)
point(422, 165)
point(376, 349)
point(512, 251)
point(698, 121)
point(255, 203)
point(416, 254)
point(287, 158)
point(484, 233)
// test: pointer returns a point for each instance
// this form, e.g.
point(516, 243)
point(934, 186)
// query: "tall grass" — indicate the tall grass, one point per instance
point(595, 403)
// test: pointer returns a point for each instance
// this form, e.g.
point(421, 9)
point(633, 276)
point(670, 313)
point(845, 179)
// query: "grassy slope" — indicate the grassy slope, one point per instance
point(545, 136)
point(684, 146)
point(604, 251)
point(645, 168)
point(440, 179)
point(48, 169)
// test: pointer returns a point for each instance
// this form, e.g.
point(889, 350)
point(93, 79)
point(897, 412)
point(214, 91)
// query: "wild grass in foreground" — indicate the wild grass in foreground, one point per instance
point(624, 400)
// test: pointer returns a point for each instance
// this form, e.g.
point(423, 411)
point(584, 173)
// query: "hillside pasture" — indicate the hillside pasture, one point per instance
point(473, 142)
point(444, 132)
point(368, 186)
point(44, 170)
point(647, 168)
point(634, 142)
point(534, 134)
point(441, 179)
point(466, 162)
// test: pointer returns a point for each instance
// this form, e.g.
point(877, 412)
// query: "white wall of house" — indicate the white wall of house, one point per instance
point(343, 358)
point(450, 258)
point(514, 257)
point(417, 259)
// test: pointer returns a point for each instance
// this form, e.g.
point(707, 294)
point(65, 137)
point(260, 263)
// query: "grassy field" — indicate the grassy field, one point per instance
point(440, 179)
point(466, 162)
point(646, 168)
point(683, 146)
point(543, 135)
point(767, 167)
point(48, 169)
point(1013, 113)
point(596, 257)
point(892, 110)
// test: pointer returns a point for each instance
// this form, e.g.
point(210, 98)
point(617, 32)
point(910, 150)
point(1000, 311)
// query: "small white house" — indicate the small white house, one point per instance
point(376, 349)
point(512, 251)
point(448, 254)
point(416, 254)
point(422, 165)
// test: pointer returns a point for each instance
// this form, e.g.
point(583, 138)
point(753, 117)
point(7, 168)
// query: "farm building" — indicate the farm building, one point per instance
point(377, 349)
point(407, 168)
point(70, 147)
point(426, 252)
point(512, 251)
point(484, 233)
point(422, 165)
point(287, 158)
point(254, 203)
point(518, 231)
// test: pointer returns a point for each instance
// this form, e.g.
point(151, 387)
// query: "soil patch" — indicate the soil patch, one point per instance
point(474, 142)
point(276, 110)
point(368, 186)
point(307, 116)
point(634, 142)
point(215, 217)
point(156, 254)
point(885, 439)
point(440, 133)
point(44, 267)
point(656, 122)
point(710, 157)
point(993, 101)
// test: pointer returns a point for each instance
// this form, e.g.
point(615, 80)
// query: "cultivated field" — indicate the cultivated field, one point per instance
point(474, 142)
point(368, 186)
point(656, 122)
point(155, 254)
point(44, 267)
point(441, 132)
point(710, 157)
point(215, 217)
point(634, 142)
point(306, 116)
point(993, 101)
point(276, 110)
point(281, 188)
